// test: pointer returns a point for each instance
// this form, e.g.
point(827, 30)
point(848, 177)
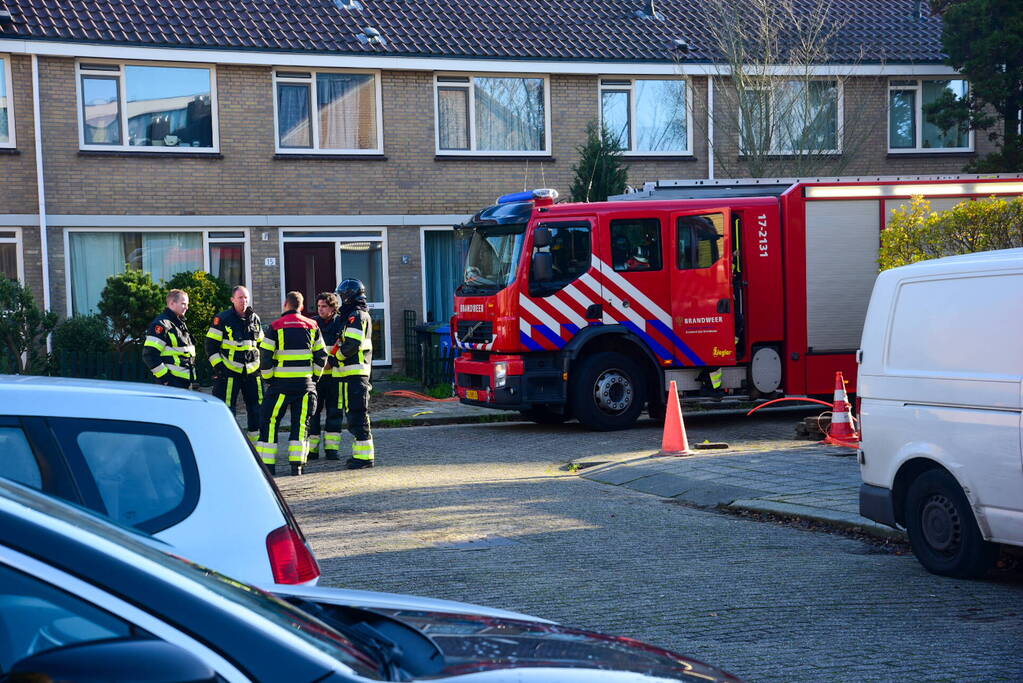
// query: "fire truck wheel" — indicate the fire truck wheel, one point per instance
point(608, 391)
point(543, 415)
point(942, 529)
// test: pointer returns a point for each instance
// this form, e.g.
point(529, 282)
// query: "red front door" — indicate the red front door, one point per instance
point(309, 268)
point(702, 301)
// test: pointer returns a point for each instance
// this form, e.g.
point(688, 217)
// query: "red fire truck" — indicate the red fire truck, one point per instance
point(755, 287)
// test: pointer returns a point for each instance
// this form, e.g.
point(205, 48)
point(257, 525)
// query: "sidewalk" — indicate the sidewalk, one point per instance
point(813, 482)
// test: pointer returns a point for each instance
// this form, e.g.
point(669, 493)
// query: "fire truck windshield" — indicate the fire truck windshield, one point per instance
point(493, 258)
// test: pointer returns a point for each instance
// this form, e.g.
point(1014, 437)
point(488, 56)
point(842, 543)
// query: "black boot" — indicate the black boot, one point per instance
point(296, 469)
point(271, 469)
point(331, 455)
point(314, 455)
point(357, 464)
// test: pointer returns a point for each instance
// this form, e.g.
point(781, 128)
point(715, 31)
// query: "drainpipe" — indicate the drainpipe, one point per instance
point(710, 127)
point(44, 247)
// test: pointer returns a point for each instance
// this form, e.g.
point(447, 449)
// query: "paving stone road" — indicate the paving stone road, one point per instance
point(486, 514)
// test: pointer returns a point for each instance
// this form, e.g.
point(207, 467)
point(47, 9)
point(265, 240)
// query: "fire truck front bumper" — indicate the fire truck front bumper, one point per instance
point(506, 383)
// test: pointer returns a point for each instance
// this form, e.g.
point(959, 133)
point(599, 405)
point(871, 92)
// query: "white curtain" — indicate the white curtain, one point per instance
point(94, 257)
point(293, 115)
point(347, 110)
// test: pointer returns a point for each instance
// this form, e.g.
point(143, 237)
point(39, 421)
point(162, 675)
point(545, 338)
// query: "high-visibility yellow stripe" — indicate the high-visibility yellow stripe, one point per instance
point(304, 418)
point(156, 343)
point(274, 416)
point(283, 371)
point(230, 388)
point(214, 333)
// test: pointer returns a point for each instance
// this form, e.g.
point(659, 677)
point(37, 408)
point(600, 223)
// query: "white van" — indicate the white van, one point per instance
point(940, 369)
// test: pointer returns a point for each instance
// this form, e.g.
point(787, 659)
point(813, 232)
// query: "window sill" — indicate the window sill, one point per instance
point(150, 155)
point(474, 157)
point(659, 157)
point(286, 156)
point(920, 154)
point(14, 151)
point(783, 157)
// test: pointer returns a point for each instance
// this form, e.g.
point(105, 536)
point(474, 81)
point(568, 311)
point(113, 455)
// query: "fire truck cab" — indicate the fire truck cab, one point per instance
point(590, 310)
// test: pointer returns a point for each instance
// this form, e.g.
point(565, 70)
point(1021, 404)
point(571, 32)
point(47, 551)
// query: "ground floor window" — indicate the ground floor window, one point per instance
point(9, 254)
point(443, 261)
point(93, 256)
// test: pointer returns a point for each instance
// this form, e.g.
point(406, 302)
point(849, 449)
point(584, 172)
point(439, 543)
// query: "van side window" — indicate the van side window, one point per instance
point(636, 244)
point(137, 473)
point(17, 461)
point(700, 240)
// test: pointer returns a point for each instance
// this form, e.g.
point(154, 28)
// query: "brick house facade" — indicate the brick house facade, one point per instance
point(249, 195)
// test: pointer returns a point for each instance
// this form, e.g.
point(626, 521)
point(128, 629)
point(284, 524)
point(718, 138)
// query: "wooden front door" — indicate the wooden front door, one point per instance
point(309, 268)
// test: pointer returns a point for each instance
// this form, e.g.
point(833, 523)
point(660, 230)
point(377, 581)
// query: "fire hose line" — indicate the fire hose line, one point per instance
point(405, 393)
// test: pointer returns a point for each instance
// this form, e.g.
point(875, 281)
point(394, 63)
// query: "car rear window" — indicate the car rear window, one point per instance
point(140, 474)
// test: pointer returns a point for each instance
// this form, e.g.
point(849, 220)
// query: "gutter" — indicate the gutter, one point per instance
point(44, 247)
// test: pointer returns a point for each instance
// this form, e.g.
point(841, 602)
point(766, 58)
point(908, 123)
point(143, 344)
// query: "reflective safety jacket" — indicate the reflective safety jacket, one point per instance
point(233, 341)
point(293, 351)
point(169, 348)
point(352, 354)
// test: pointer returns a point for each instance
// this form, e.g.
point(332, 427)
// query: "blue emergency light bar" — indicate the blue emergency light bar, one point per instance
point(528, 196)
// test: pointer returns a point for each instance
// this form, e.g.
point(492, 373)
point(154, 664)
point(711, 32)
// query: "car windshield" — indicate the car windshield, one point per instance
point(262, 604)
point(493, 258)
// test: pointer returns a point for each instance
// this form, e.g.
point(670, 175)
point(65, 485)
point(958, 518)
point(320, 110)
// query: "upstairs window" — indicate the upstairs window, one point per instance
point(912, 130)
point(335, 112)
point(647, 116)
point(142, 106)
point(6, 104)
point(492, 115)
point(791, 117)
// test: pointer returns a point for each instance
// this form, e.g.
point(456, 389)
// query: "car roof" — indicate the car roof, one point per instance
point(32, 385)
point(978, 262)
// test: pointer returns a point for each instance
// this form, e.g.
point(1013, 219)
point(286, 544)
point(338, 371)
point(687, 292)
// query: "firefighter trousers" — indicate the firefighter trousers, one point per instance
point(353, 399)
point(229, 384)
point(277, 398)
point(326, 402)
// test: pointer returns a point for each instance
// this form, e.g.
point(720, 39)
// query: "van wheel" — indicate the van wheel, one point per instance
point(542, 415)
point(942, 529)
point(608, 391)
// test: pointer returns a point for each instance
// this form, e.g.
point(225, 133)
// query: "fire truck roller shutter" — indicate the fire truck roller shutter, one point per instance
point(841, 265)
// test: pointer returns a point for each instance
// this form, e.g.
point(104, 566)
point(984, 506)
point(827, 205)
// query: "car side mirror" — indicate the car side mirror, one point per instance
point(543, 266)
point(541, 238)
point(145, 661)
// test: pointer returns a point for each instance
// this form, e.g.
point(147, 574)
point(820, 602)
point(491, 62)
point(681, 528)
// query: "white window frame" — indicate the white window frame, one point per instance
point(7, 78)
point(775, 125)
point(385, 275)
point(470, 85)
point(618, 84)
point(314, 113)
point(123, 104)
point(918, 117)
point(209, 235)
point(19, 248)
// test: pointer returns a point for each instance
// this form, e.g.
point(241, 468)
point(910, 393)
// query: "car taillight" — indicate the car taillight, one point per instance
point(290, 559)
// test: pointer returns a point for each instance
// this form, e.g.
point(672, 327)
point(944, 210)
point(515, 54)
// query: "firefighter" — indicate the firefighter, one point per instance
point(352, 359)
point(292, 357)
point(232, 345)
point(169, 351)
point(331, 325)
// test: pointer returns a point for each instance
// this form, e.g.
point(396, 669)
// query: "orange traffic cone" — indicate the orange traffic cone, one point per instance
point(674, 441)
point(841, 432)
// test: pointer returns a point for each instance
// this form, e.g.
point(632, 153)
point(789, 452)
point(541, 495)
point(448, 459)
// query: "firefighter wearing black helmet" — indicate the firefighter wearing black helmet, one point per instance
point(351, 361)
